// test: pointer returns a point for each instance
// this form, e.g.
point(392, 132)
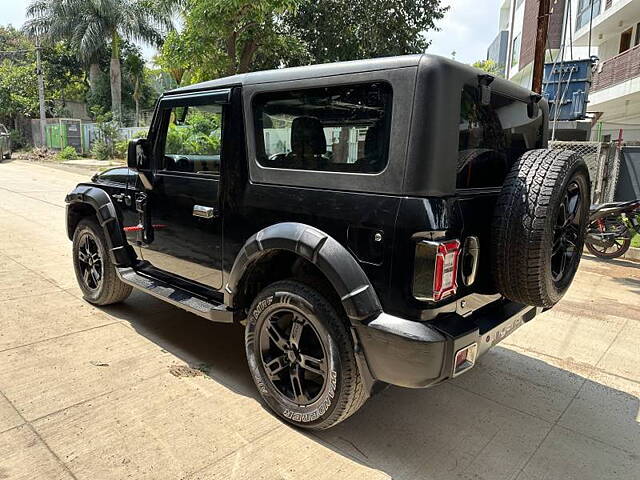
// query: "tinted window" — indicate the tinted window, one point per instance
point(194, 139)
point(492, 137)
point(339, 129)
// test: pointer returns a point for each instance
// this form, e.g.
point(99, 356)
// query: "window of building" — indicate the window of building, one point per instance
point(193, 140)
point(492, 137)
point(625, 41)
point(585, 10)
point(337, 129)
point(515, 51)
point(637, 42)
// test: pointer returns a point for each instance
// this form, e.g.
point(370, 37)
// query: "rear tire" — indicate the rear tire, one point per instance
point(539, 226)
point(295, 389)
point(95, 272)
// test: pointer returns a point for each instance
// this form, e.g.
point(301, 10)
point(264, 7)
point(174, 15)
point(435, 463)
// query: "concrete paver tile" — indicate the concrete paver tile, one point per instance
point(622, 358)
point(565, 455)
point(165, 427)
point(440, 432)
point(576, 336)
point(45, 316)
point(522, 382)
point(24, 457)
point(9, 418)
point(23, 283)
point(287, 453)
point(48, 376)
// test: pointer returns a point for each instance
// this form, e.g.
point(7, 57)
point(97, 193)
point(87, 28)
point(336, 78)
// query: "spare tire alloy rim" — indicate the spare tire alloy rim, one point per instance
point(565, 253)
point(90, 261)
point(293, 356)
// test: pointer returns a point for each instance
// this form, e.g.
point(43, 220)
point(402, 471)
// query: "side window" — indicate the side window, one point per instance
point(194, 139)
point(492, 137)
point(334, 129)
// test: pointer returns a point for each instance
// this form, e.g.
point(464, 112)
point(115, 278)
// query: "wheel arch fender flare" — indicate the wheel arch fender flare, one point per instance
point(98, 200)
point(359, 299)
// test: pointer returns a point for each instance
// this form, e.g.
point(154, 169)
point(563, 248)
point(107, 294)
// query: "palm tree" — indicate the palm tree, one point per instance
point(89, 25)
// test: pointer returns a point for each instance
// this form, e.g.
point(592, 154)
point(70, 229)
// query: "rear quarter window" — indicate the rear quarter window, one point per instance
point(492, 137)
point(333, 129)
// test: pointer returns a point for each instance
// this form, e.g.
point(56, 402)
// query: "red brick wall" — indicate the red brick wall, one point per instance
point(530, 27)
point(618, 69)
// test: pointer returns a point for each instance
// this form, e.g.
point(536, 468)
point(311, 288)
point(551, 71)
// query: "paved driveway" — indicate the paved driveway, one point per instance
point(144, 390)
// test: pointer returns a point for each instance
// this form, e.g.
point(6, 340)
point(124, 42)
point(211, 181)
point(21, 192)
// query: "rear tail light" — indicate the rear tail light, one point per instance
point(436, 270)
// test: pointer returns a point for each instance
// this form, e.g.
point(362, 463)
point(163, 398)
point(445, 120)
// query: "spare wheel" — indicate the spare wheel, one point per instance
point(539, 225)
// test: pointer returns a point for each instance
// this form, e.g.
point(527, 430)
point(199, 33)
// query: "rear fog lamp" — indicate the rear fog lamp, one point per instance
point(465, 359)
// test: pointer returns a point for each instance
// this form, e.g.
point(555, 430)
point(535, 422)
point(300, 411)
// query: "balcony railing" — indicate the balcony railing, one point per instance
point(618, 69)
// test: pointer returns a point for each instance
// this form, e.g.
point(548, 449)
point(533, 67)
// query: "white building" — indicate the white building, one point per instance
point(609, 29)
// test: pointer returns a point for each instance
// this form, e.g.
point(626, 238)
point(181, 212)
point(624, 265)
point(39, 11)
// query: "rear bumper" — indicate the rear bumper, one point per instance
point(419, 354)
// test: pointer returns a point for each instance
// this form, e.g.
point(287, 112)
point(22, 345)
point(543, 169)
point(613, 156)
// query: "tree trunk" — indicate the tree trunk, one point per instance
point(115, 76)
point(94, 73)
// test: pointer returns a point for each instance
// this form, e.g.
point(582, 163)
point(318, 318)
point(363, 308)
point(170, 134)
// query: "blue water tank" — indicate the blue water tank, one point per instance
point(566, 87)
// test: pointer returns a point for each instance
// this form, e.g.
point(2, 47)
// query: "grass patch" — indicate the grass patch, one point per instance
point(635, 241)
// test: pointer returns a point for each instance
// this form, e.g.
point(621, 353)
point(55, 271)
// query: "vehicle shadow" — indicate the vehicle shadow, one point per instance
point(510, 412)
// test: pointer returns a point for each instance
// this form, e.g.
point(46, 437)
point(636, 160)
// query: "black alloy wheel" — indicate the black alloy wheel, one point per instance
point(90, 261)
point(301, 356)
point(565, 254)
point(95, 272)
point(293, 356)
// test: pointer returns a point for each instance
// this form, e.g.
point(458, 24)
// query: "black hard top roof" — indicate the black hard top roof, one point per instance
point(434, 63)
point(308, 71)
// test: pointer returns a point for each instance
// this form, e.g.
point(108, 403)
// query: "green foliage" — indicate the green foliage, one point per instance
point(635, 241)
point(67, 153)
point(120, 148)
point(131, 58)
point(224, 37)
point(104, 147)
point(337, 30)
point(199, 136)
point(18, 79)
point(101, 150)
point(91, 25)
point(490, 67)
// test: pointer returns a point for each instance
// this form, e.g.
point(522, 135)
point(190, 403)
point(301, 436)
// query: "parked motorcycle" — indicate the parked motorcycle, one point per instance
point(611, 227)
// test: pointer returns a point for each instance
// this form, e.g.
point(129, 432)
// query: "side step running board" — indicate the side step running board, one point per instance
point(208, 309)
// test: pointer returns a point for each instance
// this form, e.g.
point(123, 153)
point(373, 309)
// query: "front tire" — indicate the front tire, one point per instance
point(95, 273)
point(301, 356)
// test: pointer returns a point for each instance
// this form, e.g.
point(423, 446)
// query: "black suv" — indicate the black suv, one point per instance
point(373, 222)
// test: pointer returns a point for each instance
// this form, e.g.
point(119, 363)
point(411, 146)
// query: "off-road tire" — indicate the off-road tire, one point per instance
point(345, 392)
point(112, 289)
point(524, 224)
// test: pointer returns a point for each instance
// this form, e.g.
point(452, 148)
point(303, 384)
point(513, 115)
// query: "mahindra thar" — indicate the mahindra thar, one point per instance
point(367, 223)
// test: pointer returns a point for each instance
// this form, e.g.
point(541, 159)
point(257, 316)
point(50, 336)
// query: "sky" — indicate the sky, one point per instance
point(468, 28)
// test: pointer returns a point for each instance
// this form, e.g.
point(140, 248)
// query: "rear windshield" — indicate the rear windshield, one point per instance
point(492, 137)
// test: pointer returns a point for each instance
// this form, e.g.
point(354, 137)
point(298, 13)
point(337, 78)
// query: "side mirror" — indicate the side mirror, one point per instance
point(137, 157)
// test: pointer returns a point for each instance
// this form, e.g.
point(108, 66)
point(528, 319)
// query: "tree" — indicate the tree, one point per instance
point(225, 37)
point(89, 25)
point(18, 82)
point(133, 72)
point(490, 67)
point(337, 30)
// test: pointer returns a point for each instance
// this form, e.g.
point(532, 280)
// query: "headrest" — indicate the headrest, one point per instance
point(307, 137)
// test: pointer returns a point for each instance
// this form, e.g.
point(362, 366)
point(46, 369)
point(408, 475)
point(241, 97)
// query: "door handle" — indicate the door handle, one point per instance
point(203, 212)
